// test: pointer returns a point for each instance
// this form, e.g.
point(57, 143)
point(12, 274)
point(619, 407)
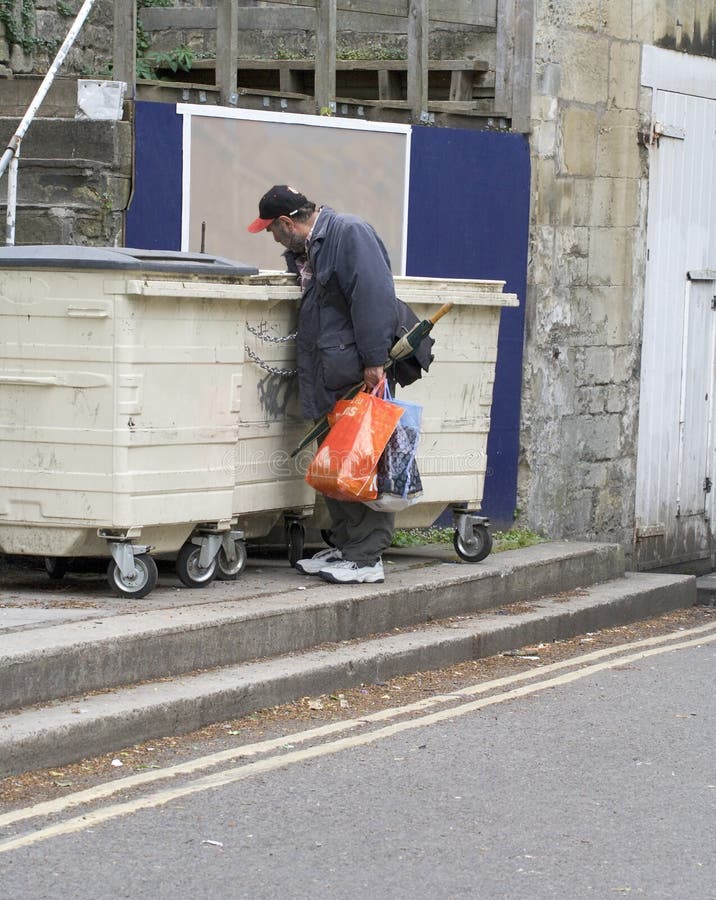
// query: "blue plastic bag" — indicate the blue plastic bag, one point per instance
point(397, 476)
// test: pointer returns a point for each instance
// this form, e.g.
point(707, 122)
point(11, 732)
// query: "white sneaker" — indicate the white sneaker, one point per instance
point(314, 564)
point(346, 572)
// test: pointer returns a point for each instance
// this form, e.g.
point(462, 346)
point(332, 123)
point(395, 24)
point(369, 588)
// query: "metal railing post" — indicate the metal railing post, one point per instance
point(12, 198)
point(13, 147)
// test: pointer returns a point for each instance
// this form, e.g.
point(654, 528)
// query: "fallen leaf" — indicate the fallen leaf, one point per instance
point(315, 704)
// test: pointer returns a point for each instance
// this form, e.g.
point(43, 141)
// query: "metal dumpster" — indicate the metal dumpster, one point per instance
point(456, 396)
point(123, 404)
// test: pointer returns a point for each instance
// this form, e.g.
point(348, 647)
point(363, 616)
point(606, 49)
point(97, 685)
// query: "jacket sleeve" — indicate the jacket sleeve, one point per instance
point(364, 276)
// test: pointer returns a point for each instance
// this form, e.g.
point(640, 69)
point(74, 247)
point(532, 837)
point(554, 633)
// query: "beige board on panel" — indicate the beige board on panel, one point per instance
point(235, 161)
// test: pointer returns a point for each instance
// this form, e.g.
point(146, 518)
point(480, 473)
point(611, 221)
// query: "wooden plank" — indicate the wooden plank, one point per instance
point(461, 85)
point(125, 44)
point(390, 85)
point(325, 90)
point(349, 65)
point(227, 48)
point(418, 58)
point(523, 67)
point(503, 57)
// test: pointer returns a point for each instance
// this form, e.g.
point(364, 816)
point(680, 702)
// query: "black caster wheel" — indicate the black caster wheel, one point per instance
point(230, 570)
point(56, 567)
point(191, 573)
point(476, 549)
point(295, 535)
point(139, 583)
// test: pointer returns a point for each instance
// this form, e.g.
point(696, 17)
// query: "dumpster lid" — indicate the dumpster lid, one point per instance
point(60, 256)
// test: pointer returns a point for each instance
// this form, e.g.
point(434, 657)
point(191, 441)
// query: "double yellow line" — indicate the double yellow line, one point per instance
point(278, 753)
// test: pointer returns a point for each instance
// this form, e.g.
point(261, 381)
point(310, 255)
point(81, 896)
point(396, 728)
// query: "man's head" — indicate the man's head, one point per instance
point(287, 214)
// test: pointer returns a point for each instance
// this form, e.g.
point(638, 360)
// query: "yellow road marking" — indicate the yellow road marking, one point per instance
point(655, 646)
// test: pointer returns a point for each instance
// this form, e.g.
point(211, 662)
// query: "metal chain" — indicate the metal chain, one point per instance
point(263, 336)
point(273, 370)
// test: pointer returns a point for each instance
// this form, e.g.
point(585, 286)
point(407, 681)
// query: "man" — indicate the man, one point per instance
point(347, 323)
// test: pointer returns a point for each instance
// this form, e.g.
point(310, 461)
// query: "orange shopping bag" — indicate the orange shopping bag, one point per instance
point(345, 465)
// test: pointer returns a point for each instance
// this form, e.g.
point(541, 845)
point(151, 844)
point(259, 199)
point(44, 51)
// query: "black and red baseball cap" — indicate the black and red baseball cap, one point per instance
point(280, 200)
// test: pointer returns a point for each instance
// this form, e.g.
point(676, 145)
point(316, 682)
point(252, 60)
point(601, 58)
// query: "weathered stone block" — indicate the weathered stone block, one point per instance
point(618, 18)
point(609, 252)
point(624, 74)
point(578, 141)
point(585, 67)
point(571, 256)
point(542, 190)
point(544, 138)
point(595, 365)
point(593, 438)
point(549, 80)
point(605, 315)
point(607, 202)
point(20, 61)
point(593, 475)
point(591, 401)
point(542, 240)
point(616, 398)
point(585, 14)
point(618, 153)
point(104, 142)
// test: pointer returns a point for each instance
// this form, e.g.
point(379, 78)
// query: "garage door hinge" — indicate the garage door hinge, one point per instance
point(707, 485)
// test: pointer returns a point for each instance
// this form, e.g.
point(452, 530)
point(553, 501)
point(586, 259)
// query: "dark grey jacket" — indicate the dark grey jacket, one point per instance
point(348, 317)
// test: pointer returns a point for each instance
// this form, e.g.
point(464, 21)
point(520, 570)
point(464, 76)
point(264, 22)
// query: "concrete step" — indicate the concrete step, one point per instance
point(74, 729)
point(105, 142)
point(69, 659)
point(706, 589)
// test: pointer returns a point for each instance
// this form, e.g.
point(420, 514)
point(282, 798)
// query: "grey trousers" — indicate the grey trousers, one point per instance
point(361, 533)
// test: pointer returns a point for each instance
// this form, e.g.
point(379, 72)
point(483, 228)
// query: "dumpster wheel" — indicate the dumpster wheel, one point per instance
point(476, 549)
point(230, 571)
point(295, 536)
point(56, 567)
point(139, 583)
point(189, 570)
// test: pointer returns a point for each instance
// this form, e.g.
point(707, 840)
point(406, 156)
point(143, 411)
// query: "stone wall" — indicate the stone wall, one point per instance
point(587, 260)
point(28, 44)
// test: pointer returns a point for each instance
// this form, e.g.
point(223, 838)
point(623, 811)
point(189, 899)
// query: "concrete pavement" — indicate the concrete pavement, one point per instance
point(83, 672)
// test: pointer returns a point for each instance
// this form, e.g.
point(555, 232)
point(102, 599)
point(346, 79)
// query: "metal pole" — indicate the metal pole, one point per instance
point(12, 198)
point(45, 86)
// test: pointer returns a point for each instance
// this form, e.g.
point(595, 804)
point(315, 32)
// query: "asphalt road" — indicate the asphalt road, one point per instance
point(600, 786)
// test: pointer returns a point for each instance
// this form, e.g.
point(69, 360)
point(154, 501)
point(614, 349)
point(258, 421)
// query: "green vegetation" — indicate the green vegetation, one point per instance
point(148, 62)
point(377, 52)
point(19, 31)
point(502, 540)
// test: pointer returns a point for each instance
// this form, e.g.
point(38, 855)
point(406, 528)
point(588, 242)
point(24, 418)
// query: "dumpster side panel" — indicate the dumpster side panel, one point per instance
point(179, 379)
point(56, 397)
point(268, 480)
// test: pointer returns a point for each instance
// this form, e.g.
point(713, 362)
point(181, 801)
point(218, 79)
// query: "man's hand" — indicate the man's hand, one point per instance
point(372, 375)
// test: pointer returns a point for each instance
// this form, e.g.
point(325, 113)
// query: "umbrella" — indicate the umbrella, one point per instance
point(401, 349)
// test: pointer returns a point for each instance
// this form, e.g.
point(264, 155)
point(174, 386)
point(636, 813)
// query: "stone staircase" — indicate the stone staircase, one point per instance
point(79, 688)
point(74, 178)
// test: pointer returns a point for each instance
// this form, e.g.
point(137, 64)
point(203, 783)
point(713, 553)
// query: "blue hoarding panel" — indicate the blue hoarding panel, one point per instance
point(154, 215)
point(469, 218)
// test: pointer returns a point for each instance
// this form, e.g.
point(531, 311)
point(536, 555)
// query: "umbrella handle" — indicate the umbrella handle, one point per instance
point(445, 308)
